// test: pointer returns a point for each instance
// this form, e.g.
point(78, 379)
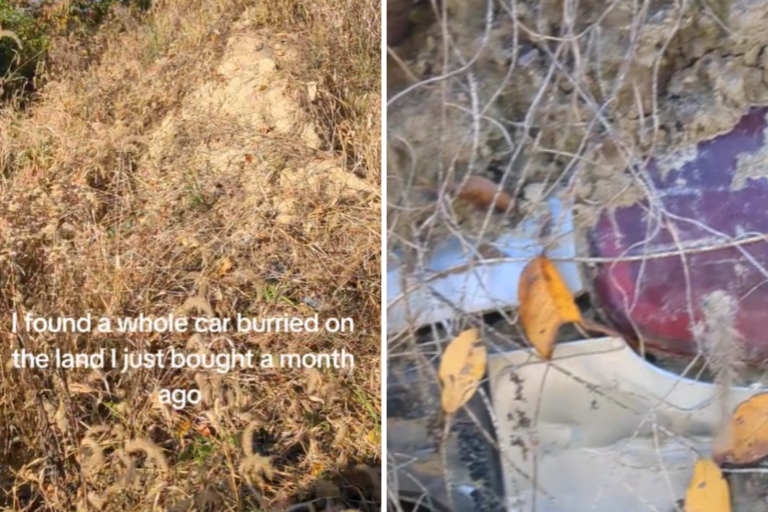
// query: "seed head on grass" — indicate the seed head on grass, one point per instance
point(92, 456)
point(154, 452)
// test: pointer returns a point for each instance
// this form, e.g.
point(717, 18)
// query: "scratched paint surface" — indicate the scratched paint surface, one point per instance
point(697, 234)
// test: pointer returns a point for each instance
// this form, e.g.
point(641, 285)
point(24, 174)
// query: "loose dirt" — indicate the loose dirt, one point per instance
point(561, 94)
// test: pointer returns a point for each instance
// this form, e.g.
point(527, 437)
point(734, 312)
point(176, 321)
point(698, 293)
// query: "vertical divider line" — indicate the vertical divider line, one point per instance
point(384, 472)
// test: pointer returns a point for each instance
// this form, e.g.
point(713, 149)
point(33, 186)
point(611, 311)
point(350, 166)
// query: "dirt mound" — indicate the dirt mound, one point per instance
point(561, 95)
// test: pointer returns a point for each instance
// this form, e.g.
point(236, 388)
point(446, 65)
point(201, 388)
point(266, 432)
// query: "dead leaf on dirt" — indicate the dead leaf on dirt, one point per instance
point(461, 368)
point(708, 490)
point(746, 439)
point(545, 304)
point(481, 191)
point(317, 468)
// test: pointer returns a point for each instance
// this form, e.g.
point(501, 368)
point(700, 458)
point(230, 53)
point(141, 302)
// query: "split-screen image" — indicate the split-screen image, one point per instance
point(402, 255)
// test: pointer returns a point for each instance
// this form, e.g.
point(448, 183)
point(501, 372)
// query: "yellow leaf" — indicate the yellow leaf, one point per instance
point(317, 468)
point(708, 490)
point(745, 439)
point(461, 368)
point(184, 428)
point(545, 304)
point(225, 266)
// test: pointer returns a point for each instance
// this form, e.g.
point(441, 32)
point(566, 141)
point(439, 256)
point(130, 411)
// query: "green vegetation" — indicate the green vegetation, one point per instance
point(20, 51)
point(28, 27)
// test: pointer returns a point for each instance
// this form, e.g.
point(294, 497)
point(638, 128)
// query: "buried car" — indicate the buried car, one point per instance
point(598, 427)
point(595, 428)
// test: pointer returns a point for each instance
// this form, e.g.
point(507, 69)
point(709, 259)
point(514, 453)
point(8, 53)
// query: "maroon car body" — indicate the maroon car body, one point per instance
point(699, 232)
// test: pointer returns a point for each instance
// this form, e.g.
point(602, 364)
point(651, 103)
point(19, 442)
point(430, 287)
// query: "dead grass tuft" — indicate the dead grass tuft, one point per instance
point(181, 164)
point(94, 459)
point(255, 467)
point(153, 452)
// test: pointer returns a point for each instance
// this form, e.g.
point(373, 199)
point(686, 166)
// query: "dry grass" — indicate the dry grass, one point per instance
point(125, 189)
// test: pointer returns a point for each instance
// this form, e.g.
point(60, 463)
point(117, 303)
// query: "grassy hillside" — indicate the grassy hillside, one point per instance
point(206, 157)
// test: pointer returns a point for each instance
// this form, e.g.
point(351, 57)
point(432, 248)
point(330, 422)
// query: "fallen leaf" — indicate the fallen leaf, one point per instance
point(745, 440)
point(708, 490)
point(325, 489)
point(225, 266)
point(317, 468)
point(545, 304)
point(461, 369)
point(184, 427)
point(203, 426)
point(481, 191)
